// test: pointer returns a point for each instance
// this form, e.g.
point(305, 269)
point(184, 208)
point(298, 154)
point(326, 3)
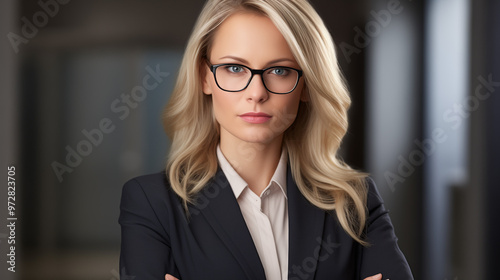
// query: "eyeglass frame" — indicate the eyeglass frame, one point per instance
point(213, 69)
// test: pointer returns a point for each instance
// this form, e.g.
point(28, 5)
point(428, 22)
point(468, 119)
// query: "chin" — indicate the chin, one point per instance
point(259, 138)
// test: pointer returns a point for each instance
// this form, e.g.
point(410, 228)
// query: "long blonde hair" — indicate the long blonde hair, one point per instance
point(312, 141)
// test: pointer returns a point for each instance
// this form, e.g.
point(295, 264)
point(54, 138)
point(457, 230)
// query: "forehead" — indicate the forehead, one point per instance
point(250, 36)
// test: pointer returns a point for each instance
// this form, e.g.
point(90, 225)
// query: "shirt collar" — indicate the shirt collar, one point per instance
point(238, 184)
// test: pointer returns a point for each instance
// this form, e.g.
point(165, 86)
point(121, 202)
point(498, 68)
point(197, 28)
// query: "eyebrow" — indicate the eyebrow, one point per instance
point(244, 61)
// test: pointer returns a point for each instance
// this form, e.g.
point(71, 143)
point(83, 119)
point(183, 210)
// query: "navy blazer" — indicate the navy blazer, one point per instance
point(213, 242)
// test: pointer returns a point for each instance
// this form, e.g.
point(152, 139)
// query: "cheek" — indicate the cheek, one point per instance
point(291, 104)
point(222, 105)
point(286, 112)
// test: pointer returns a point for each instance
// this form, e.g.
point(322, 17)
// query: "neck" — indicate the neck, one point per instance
point(254, 162)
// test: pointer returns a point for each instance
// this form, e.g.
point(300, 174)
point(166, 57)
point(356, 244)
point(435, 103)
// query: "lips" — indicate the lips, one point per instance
point(255, 117)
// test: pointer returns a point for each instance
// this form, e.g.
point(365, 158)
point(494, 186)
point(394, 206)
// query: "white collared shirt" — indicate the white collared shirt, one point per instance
point(266, 216)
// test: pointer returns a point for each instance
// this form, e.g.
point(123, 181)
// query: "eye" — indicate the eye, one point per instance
point(235, 68)
point(280, 71)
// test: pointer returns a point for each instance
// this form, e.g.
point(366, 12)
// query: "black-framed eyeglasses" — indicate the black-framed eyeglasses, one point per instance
point(236, 77)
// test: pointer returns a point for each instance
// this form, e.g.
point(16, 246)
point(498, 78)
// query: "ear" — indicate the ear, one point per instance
point(206, 77)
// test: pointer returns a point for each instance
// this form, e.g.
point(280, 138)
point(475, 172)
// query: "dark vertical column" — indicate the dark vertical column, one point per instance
point(492, 124)
point(9, 126)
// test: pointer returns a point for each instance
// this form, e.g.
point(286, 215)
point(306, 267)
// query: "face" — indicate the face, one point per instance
point(253, 115)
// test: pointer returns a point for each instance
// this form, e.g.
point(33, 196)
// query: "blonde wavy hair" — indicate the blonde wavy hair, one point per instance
point(312, 141)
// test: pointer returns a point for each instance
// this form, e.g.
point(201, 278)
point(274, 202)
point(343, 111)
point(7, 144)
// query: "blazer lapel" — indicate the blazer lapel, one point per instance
point(223, 213)
point(306, 223)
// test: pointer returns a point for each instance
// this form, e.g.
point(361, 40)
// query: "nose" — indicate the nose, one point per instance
point(256, 91)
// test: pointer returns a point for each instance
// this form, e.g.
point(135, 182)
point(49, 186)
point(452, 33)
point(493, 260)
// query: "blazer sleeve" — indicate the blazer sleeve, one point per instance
point(383, 254)
point(145, 245)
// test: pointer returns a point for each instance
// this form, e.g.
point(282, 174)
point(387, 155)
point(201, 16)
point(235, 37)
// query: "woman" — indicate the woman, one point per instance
point(253, 187)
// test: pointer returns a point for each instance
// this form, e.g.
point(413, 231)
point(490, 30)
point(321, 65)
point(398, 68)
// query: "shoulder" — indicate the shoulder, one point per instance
point(149, 184)
point(373, 195)
point(152, 182)
point(152, 189)
point(374, 201)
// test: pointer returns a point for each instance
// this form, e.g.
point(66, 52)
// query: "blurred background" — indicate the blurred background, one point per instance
point(78, 121)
